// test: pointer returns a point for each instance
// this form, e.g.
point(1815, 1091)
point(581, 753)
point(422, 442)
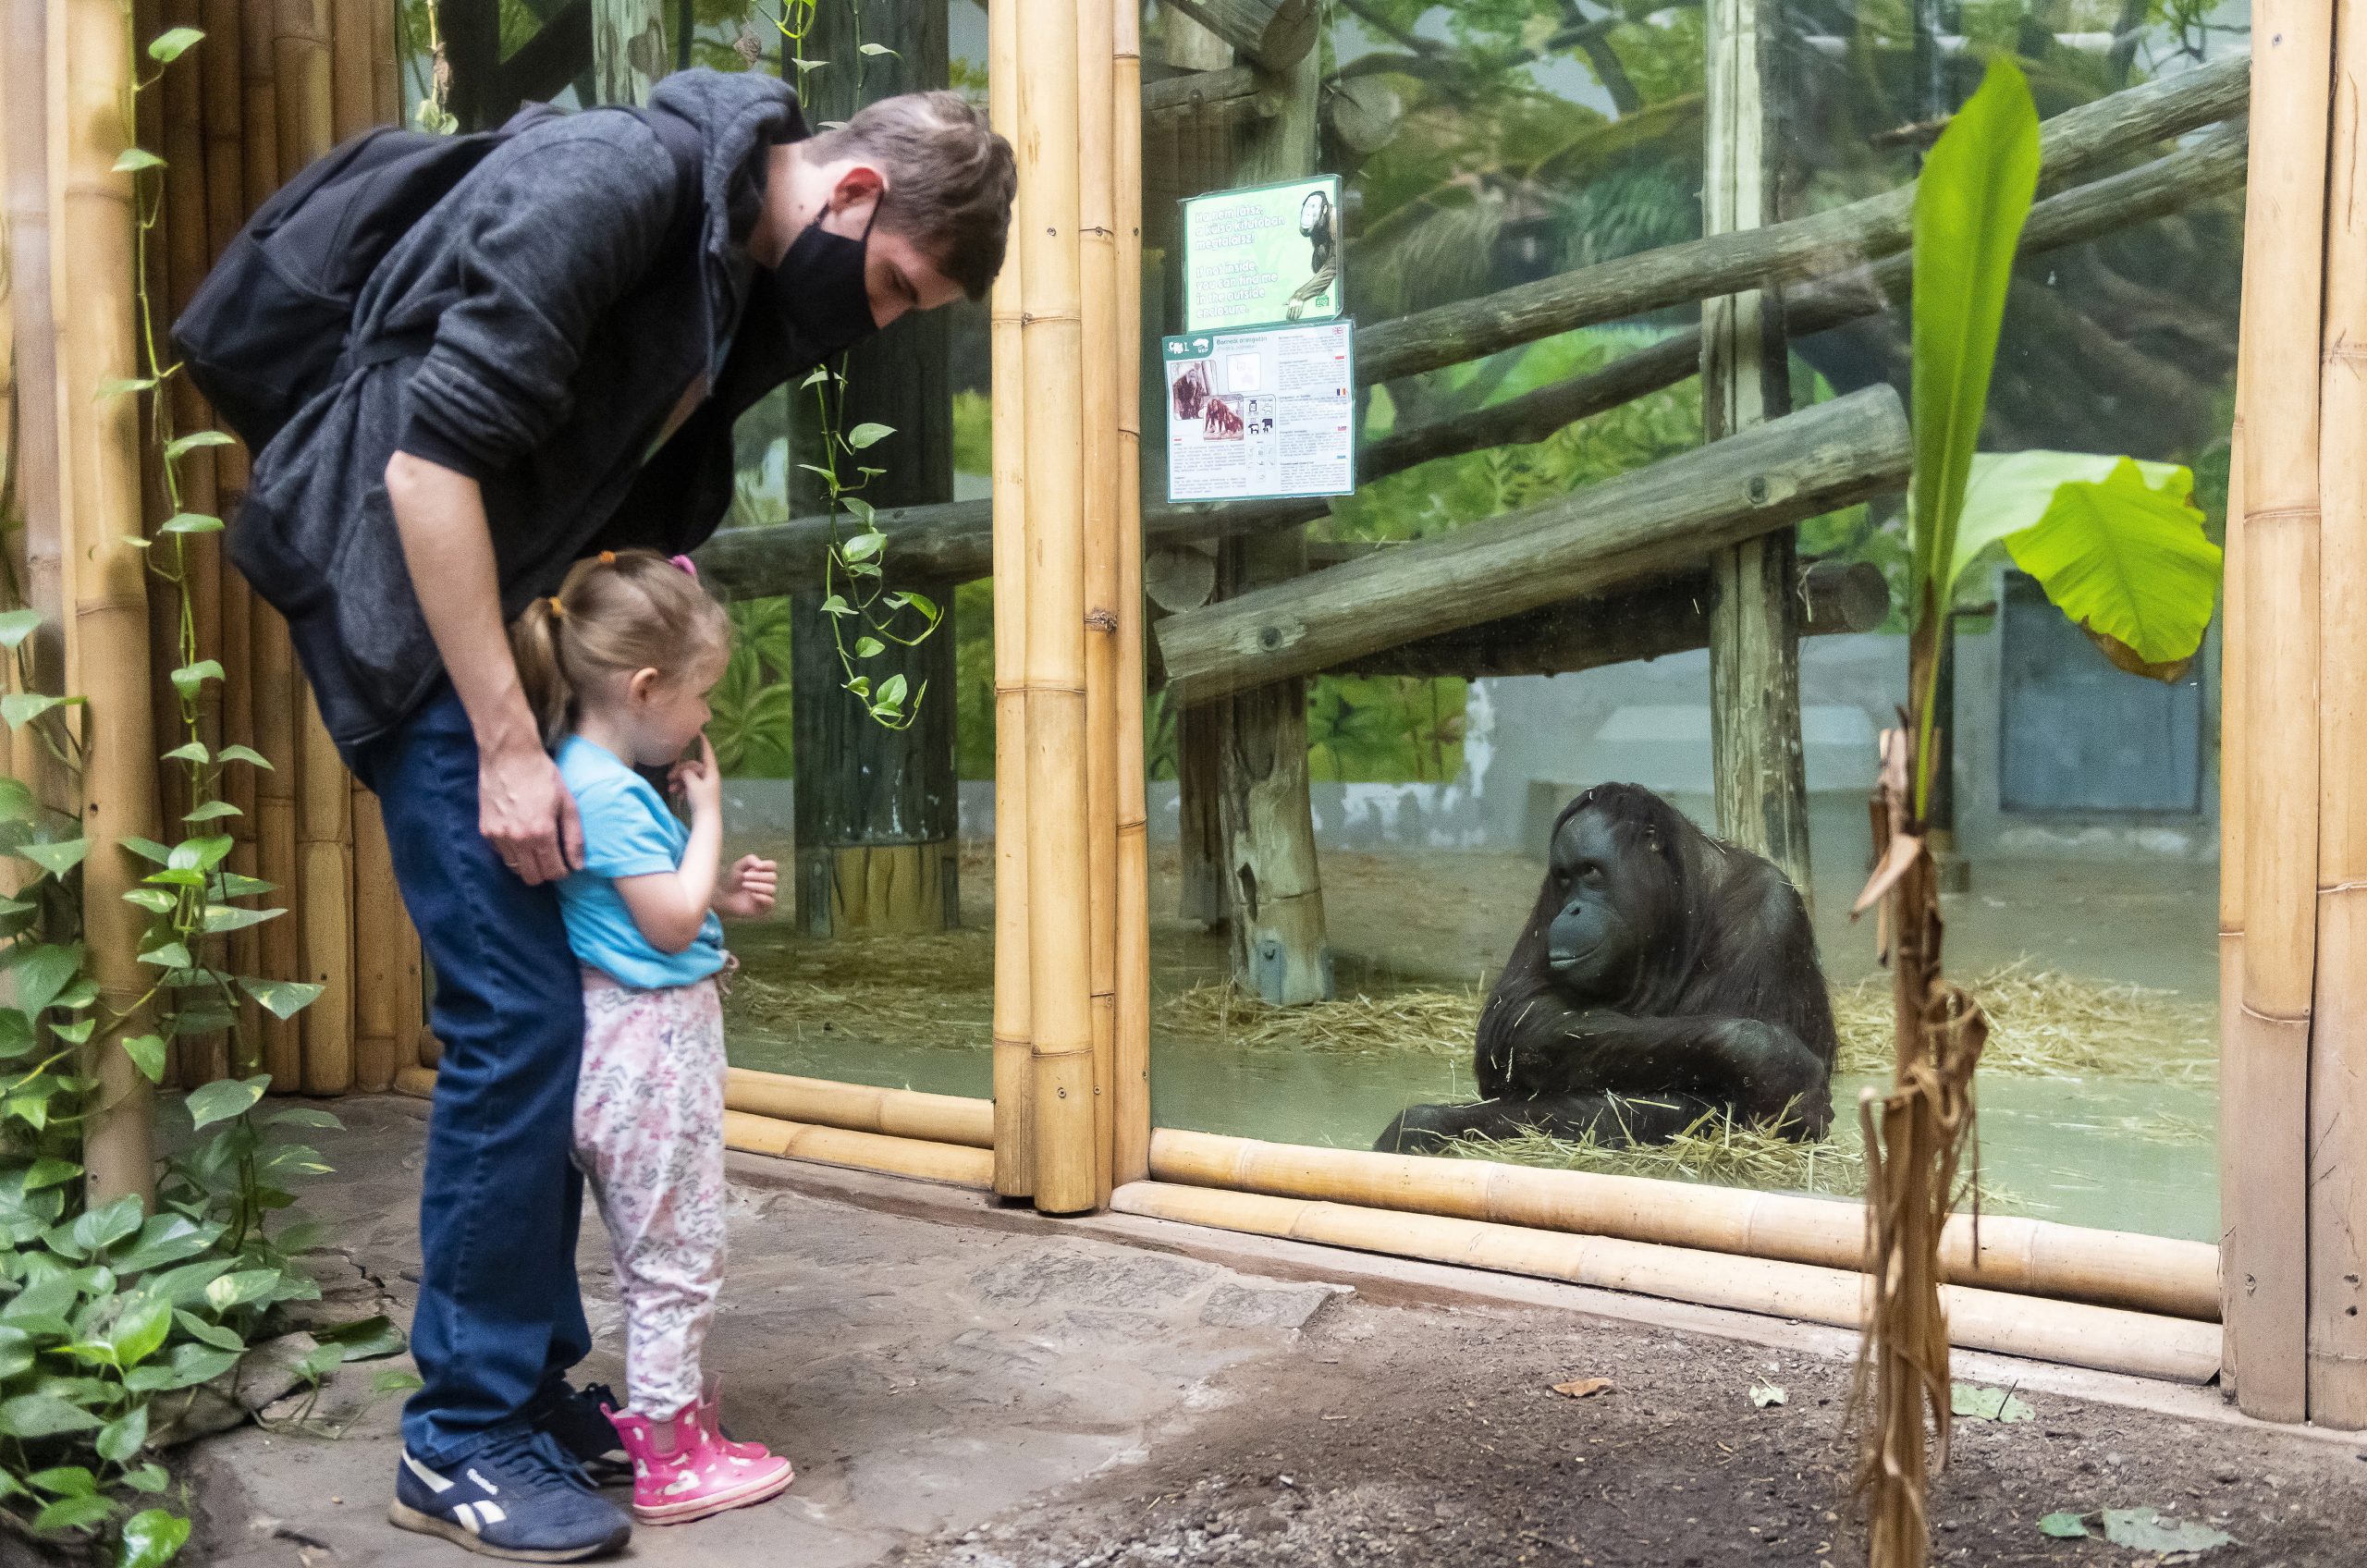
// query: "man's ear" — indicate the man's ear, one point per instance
point(860, 183)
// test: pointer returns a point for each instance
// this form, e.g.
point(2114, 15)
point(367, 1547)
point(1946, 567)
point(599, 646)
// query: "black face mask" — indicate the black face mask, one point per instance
point(819, 289)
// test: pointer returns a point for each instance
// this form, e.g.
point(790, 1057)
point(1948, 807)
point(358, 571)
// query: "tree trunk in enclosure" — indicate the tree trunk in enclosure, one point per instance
point(1758, 777)
point(629, 53)
point(1273, 35)
point(1281, 949)
point(471, 31)
point(878, 817)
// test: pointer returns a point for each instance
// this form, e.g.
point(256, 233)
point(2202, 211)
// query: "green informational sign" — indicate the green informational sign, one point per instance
point(1262, 413)
point(1261, 255)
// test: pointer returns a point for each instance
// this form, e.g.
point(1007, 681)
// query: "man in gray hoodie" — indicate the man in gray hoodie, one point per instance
point(548, 365)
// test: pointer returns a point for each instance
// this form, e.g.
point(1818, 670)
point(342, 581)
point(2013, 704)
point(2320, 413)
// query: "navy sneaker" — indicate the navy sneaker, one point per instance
point(576, 1421)
point(517, 1496)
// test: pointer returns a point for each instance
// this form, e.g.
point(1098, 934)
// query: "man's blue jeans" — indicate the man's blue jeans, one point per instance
point(500, 1315)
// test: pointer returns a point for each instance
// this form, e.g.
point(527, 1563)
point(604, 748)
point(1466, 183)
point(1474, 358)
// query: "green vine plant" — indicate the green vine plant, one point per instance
point(866, 615)
point(121, 1329)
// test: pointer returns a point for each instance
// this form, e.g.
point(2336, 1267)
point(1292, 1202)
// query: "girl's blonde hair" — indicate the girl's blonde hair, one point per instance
point(617, 612)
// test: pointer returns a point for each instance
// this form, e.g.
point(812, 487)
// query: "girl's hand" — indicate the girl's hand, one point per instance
point(748, 887)
point(700, 782)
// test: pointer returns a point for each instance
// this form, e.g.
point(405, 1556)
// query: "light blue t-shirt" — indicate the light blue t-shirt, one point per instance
point(628, 831)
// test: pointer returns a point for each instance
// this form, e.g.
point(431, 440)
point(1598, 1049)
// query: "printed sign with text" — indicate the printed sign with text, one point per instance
point(1261, 414)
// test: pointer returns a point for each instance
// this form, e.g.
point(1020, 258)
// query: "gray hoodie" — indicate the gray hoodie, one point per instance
point(534, 331)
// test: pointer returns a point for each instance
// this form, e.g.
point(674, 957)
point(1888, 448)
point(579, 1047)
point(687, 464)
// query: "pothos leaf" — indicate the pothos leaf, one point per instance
point(170, 45)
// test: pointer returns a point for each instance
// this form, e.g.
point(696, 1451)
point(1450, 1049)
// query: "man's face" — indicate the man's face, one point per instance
point(896, 274)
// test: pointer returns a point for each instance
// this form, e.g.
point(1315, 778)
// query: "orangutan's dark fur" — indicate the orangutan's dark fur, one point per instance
point(1661, 974)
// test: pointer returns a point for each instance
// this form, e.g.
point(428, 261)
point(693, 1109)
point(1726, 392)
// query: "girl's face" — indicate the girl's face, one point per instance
point(664, 715)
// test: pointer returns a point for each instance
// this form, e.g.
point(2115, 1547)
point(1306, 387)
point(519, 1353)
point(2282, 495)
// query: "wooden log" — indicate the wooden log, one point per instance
point(1783, 253)
point(1758, 777)
point(99, 444)
point(858, 1108)
point(1060, 983)
point(2079, 1335)
point(1098, 294)
point(2035, 1258)
point(1015, 1068)
point(2337, 1096)
point(2267, 1215)
point(470, 31)
point(1237, 93)
point(1643, 621)
point(1276, 34)
point(1200, 886)
point(1130, 1151)
point(878, 809)
point(1652, 519)
point(950, 542)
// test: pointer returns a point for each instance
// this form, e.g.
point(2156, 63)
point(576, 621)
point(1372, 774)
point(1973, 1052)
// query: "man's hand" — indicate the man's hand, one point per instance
point(524, 808)
point(748, 888)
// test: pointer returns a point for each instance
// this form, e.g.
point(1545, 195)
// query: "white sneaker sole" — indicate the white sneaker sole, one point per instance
point(742, 1497)
point(406, 1518)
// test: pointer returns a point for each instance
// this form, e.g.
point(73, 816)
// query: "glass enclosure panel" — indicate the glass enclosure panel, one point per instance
point(876, 967)
point(1378, 894)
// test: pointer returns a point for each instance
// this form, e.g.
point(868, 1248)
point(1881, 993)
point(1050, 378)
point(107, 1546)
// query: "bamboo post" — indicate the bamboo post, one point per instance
point(2337, 1094)
point(1130, 1108)
point(1097, 286)
point(303, 71)
point(2234, 1140)
point(1060, 982)
point(386, 69)
point(2266, 1212)
point(98, 439)
point(1013, 1058)
point(353, 63)
point(1760, 777)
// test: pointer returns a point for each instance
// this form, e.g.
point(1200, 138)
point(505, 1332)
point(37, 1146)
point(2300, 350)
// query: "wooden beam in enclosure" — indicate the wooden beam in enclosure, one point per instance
point(1654, 518)
point(1644, 620)
point(1807, 247)
point(952, 541)
point(1276, 34)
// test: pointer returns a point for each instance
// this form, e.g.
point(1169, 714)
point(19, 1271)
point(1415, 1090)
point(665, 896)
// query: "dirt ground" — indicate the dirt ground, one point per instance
point(967, 1385)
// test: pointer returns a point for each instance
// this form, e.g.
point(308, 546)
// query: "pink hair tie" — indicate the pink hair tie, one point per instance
point(686, 565)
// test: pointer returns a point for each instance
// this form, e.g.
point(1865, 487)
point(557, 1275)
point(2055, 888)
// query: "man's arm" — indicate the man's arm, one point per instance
point(522, 804)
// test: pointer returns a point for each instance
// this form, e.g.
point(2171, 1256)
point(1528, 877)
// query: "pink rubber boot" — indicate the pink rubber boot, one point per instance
point(711, 1420)
point(696, 1477)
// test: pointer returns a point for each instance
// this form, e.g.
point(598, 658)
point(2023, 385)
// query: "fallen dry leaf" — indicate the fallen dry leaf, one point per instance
point(1584, 1388)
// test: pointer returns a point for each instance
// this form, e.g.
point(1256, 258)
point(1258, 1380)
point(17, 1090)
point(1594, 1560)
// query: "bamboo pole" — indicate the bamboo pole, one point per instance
point(304, 72)
point(859, 1151)
point(2024, 1257)
point(98, 439)
point(1097, 281)
point(2267, 1211)
point(2337, 1096)
point(270, 695)
point(1130, 1108)
point(378, 1048)
point(2070, 1332)
point(1060, 982)
point(2235, 1119)
point(1013, 1053)
point(354, 62)
point(857, 1107)
point(386, 70)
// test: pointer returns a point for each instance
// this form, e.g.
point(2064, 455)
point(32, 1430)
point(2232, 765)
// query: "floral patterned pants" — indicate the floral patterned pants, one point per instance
point(649, 1138)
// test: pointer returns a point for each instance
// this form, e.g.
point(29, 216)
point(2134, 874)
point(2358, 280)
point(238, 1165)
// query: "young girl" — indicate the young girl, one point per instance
point(617, 667)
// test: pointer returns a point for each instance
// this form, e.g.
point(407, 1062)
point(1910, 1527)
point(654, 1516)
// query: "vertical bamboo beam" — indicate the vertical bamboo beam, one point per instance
point(270, 695)
point(304, 69)
point(1060, 982)
point(1761, 781)
point(1014, 1065)
point(386, 69)
point(2338, 1171)
point(1130, 1110)
point(24, 58)
point(353, 63)
point(2267, 1212)
point(1098, 289)
point(2235, 1109)
point(98, 439)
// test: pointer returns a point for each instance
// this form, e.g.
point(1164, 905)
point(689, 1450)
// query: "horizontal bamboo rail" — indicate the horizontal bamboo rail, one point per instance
point(1651, 519)
point(2071, 1332)
point(859, 1151)
point(857, 1108)
point(2034, 1258)
point(951, 540)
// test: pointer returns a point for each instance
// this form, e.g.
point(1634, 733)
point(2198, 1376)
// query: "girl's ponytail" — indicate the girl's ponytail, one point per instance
point(534, 641)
